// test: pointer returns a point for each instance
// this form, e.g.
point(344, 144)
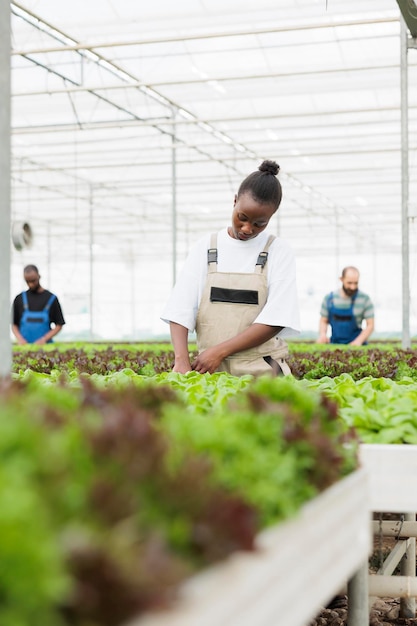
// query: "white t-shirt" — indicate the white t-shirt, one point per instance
point(281, 308)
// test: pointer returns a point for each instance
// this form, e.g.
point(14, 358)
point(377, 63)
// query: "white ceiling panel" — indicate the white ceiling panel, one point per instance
point(133, 124)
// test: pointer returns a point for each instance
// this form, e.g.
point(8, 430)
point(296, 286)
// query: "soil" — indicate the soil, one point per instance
point(383, 611)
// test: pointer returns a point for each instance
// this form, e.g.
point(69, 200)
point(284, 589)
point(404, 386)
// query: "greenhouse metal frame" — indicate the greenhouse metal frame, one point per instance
point(133, 124)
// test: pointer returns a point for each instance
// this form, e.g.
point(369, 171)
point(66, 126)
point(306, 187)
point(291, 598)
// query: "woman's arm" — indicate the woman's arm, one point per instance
point(179, 338)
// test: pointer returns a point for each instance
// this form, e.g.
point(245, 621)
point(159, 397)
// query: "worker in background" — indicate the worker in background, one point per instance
point(345, 310)
point(36, 313)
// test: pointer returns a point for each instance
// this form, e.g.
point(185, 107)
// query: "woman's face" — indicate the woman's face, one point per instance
point(249, 217)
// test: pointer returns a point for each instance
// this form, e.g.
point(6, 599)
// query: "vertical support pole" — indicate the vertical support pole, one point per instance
point(91, 264)
point(408, 568)
point(406, 343)
point(278, 223)
point(174, 198)
point(133, 290)
point(337, 241)
point(48, 252)
point(5, 223)
point(358, 597)
point(375, 264)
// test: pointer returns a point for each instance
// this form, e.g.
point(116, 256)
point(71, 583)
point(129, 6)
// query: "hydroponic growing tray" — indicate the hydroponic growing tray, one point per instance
point(299, 565)
point(392, 475)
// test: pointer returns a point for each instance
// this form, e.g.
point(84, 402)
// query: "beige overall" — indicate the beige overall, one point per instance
point(230, 303)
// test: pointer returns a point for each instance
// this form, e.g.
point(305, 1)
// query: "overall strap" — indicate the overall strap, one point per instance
point(25, 300)
point(48, 304)
point(212, 254)
point(352, 304)
point(263, 256)
point(330, 300)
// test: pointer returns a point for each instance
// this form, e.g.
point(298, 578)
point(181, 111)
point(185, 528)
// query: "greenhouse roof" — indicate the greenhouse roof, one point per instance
point(133, 125)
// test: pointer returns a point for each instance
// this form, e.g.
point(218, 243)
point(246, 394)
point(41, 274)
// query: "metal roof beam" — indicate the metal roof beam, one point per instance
point(17, 130)
point(201, 35)
point(212, 79)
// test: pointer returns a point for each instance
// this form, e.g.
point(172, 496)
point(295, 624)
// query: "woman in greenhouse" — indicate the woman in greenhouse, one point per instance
point(237, 289)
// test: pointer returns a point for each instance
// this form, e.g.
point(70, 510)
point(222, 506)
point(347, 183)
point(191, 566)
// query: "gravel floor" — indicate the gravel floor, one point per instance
point(384, 611)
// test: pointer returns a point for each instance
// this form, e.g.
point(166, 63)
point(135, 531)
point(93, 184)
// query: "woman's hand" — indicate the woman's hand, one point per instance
point(182, 366)
point(208, 361)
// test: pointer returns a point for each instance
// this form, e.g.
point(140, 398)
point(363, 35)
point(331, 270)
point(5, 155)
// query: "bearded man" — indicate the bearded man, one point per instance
point(348, 311)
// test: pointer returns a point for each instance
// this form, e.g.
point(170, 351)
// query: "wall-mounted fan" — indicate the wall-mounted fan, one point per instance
point(22, 235)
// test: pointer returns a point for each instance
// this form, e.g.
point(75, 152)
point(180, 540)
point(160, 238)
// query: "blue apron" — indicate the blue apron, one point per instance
point(343, 322)
point(35, 324)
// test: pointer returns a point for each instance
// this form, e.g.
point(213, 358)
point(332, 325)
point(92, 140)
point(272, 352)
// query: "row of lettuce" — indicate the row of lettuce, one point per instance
point(310, 361)
point(114, 489)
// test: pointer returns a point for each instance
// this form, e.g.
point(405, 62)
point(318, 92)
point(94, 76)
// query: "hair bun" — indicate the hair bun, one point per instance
point(269, 167)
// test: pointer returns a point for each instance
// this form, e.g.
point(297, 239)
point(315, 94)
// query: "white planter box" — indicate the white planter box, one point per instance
point(298, 567)
point(392, 471)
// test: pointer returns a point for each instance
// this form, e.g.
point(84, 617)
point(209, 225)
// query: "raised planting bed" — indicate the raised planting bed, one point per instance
point(140, 486)
point(392, 471)
point(299, 565)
